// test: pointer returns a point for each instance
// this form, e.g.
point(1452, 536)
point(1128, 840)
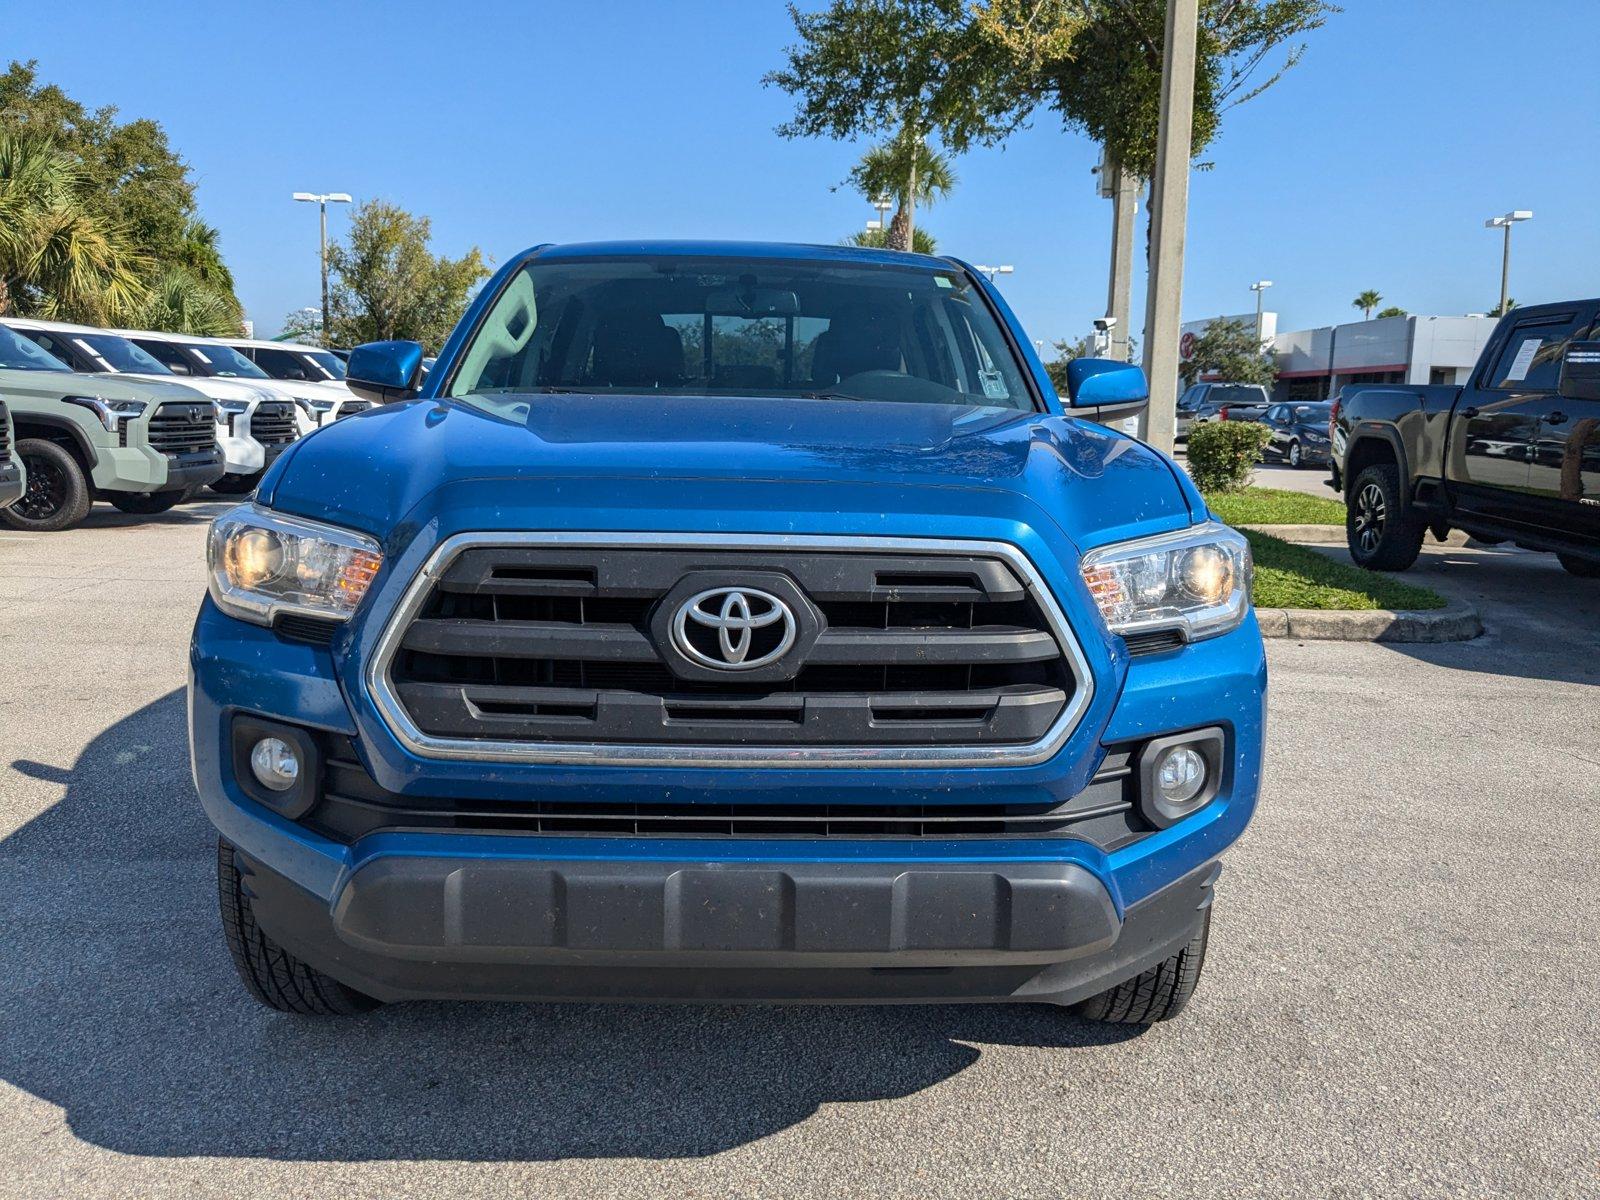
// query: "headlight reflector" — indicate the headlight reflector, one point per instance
point(109, 411)
point(1197, 580)
point(263, 563)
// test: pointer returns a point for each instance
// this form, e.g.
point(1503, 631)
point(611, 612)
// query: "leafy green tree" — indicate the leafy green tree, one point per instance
point(913, 70)
point(128, 179)
point(893, 169)
point(302, 325)
point(1367, 301)
point(58, 257)
point(386, 283)
point(1108, 85)
point(1230, 351)
point(1394, 310)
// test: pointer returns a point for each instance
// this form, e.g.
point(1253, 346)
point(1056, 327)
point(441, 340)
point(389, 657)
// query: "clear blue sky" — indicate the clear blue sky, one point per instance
point(1373, 164)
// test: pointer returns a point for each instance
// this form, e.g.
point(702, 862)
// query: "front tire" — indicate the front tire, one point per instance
point(1380, 535)
point(1295, 460)
point(147, 504)
point(270, 973)
point(237, 485)
point(58, 494)
point(1157, 995)
point(1583, 568)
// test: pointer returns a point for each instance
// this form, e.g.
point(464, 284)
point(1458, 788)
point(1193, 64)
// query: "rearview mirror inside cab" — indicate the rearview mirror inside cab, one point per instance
point(1580, 372)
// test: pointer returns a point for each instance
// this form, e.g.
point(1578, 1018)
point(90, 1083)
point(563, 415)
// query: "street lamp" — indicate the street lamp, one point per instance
point(883, 204)
point(991, 272)
point(322, 200)
point(1258, 287)
point(1506, 222)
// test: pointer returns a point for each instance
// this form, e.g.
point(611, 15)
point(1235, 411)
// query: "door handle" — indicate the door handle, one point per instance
point(1470, 411)
point(1555, 418)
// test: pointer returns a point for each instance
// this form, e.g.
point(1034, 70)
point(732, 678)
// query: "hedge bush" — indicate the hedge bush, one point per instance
point(1223, 453)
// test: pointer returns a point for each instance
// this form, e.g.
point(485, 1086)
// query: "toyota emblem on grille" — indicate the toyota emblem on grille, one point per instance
point(734, 629)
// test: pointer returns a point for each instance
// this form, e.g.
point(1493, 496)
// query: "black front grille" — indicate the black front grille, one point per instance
point(183, 428)
point(351, 805)
point(5, 434)
point(545, 645)
point(273, 424)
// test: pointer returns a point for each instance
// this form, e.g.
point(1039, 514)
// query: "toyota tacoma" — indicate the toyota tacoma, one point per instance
point(726, 622)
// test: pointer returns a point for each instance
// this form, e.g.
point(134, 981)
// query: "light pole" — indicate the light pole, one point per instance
point(322, 200)
point(991, 272)
point(1258, 287)
point(1506, 222)
point(883, 204)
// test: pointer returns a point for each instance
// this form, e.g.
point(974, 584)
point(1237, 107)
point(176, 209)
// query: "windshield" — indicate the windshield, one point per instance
point(757, 327)
point(328, 362)
point(19, 354)
point(118, 354)
point(224, 361)
point(298, 362)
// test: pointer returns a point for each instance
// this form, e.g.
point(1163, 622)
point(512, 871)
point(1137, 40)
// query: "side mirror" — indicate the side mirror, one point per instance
point(1580, 372)
point(1111, 388)
point(385, 371)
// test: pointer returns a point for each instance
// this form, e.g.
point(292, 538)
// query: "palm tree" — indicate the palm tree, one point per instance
point(910, 172)
point(58, 257)
point(180, 303)
point(922, 241)
point(1367, 301)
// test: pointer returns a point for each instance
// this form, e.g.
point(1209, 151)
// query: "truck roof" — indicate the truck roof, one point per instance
point(732, 249)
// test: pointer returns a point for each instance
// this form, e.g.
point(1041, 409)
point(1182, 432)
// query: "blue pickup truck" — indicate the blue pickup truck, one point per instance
point(726, 622)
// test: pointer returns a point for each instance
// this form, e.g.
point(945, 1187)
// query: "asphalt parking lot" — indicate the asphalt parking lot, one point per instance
point(1400, 998)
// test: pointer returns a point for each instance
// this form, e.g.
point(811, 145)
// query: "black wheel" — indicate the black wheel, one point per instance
point(57, 495)
point(1159, 994)
point(1583, 568)
point(271, 974)
point(236, 485)
point(1380, 536)
point(146, 504)
point(1294, 455)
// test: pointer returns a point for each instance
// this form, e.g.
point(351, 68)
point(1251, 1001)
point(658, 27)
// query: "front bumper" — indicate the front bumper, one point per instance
point(526, 929)
point(12, 482)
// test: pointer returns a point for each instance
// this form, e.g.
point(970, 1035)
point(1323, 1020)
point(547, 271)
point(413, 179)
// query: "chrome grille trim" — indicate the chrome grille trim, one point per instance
point(381, 690)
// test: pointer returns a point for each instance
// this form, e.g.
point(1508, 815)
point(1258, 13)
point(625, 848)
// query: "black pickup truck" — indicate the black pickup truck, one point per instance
point(1513, 456)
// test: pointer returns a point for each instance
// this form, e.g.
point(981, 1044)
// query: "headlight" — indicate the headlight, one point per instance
point(315, 409)
point(263, 564)
point(1311, 435)
point(1196, 581)
point(233, 407)
point(109, 411)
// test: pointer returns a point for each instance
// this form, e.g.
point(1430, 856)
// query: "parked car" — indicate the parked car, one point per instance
point(726, 622)
point(242, 411)
point(13, 479)
point(1514, 455)
point(141, 445)
point(1299, 434)
point(313, 366)
point(211, 358)
point(1202, 402)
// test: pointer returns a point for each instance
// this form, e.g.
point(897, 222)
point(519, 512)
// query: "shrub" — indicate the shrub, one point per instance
point(1223, 453)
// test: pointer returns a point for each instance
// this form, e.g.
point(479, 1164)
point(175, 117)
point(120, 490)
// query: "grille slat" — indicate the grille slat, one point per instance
point(5, 434)
point(560, 645)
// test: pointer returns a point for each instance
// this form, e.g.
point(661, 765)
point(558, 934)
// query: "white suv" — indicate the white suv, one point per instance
point(294, 363)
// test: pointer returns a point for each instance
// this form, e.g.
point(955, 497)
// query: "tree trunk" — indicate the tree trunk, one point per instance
point(903, 228)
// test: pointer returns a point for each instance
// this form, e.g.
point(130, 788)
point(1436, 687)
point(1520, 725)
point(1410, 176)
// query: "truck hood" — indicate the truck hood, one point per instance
point(54, 384)
point(216, 387)
point(371, 470)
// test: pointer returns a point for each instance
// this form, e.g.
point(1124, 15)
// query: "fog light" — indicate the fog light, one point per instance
point(1181, 775)
point(275, 764)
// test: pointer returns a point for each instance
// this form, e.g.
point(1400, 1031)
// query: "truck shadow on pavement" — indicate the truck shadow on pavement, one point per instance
point(121, 1007)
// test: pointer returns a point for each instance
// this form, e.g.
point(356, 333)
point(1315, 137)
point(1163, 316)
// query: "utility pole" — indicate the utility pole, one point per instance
point(1123, 190)
point(1170, 212)
point(1506, 222)
point(321, 200)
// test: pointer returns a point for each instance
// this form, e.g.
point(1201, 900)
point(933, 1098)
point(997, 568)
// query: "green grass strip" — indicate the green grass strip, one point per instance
point(1291, 576)
point(1273, 506)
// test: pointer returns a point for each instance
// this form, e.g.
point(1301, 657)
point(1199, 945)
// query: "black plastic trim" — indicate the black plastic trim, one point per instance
point(295, 802)
point(1211, 742)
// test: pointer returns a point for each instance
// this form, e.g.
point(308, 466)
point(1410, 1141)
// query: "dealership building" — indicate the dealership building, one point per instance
point(1314, 363)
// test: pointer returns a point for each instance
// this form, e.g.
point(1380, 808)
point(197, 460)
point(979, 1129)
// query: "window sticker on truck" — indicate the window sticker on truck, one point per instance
point(1524, 359)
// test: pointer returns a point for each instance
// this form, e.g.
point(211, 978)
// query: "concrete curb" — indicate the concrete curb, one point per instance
point(1333, 535)
point(1456, 622)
